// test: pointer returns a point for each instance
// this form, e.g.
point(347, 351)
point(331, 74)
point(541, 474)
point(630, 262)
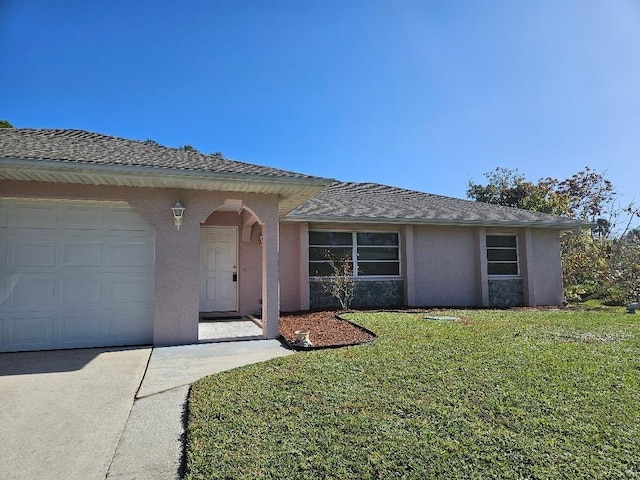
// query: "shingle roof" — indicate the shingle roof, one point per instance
point(341, 202)
point(79, 146)
point(371, 202)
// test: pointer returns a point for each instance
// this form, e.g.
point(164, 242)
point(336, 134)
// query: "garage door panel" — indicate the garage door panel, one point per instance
point(4, 221)
point(127, 253)
point(86, 291)
point(123, 325)
point(81, 218)
point(7, 285)
point(31, 330)
point(34, 216)
point(78, 253)
point(4, 252)
point(37, 253)
point(34, 293)
point(125, 219)
point(78, 282)
point(81, 327)
point(133, 291)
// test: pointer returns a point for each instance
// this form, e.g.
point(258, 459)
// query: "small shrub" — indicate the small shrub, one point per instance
point(340, 284)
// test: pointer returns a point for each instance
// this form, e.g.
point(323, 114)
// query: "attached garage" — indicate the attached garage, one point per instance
point(74, 274)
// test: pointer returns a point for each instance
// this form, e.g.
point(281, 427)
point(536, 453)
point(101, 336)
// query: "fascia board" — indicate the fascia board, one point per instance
point(57, 167)
point(413, 221)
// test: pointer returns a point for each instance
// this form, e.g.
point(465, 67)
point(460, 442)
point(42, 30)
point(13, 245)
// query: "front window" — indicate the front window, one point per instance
point(502, 255)
point(370, 253)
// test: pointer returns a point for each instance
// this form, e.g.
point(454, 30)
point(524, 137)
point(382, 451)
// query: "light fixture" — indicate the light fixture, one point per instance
point(178, 213)
point(261, 238)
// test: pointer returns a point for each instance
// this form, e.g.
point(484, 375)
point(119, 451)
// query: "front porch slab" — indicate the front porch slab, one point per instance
point(216, 330)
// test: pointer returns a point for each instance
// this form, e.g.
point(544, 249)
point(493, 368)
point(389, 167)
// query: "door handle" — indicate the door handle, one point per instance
point(235, 277)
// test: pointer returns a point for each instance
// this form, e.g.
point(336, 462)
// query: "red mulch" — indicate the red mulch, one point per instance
point(325, 329)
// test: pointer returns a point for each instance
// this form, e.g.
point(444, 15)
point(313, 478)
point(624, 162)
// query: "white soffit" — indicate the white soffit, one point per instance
point(292, 191)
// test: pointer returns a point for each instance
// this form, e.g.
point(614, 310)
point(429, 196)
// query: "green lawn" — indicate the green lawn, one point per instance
point(499, 394)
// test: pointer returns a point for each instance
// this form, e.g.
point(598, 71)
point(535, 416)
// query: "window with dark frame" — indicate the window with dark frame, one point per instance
point(371, 253)
point(502, 255)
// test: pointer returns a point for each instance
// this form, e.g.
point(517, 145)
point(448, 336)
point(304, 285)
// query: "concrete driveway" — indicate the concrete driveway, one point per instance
point(70, 414)
point(62, 412)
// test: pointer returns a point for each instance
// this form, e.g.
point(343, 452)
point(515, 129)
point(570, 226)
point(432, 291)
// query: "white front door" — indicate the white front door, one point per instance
point(218, 272)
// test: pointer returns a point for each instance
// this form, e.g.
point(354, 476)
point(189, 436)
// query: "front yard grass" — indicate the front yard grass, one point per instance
point(498, 394)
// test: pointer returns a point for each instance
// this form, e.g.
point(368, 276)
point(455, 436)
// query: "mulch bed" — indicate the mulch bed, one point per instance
point(326, 331)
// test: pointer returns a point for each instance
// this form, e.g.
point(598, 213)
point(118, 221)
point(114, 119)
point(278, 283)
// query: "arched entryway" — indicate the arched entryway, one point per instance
point(232, 276)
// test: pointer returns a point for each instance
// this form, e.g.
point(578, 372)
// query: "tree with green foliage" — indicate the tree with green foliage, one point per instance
point(601, 262)
point(510, 188)
point(5, 124)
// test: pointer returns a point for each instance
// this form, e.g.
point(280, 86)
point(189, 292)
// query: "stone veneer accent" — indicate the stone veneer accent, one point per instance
point(506, 293)
point(367, 293)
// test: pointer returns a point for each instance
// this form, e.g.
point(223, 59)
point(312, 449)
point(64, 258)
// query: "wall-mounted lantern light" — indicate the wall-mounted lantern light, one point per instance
point(178, 213)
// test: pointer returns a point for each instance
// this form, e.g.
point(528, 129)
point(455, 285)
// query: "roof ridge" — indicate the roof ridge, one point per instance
point(147, 142)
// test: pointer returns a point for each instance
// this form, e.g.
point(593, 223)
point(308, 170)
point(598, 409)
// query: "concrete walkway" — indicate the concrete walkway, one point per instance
point(151, 445)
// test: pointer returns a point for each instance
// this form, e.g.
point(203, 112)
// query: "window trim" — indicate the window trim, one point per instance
point(498, 276)
point(354, 253)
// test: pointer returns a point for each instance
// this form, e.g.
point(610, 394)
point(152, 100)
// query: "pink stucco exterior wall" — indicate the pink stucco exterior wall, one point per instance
point(290, 298)
point(178, 252)
point(540, 264)
point(441, 266)
point(250, 288)
point(547, 267)
point(446, 266)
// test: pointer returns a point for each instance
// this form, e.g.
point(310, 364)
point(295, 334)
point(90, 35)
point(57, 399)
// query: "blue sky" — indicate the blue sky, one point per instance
point(419, 94)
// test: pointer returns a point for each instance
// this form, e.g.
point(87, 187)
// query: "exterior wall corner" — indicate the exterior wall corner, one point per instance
point(409, 267)
point(483, 276)
point(305, 294)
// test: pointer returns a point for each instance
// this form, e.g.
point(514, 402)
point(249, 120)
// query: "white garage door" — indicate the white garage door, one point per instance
point(74, 274)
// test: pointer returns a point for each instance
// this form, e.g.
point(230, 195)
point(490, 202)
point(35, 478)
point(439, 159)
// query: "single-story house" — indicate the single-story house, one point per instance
point(106, 241)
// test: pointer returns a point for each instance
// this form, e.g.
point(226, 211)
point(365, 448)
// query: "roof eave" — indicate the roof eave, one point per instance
point(437, 222)
point(293, 191)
